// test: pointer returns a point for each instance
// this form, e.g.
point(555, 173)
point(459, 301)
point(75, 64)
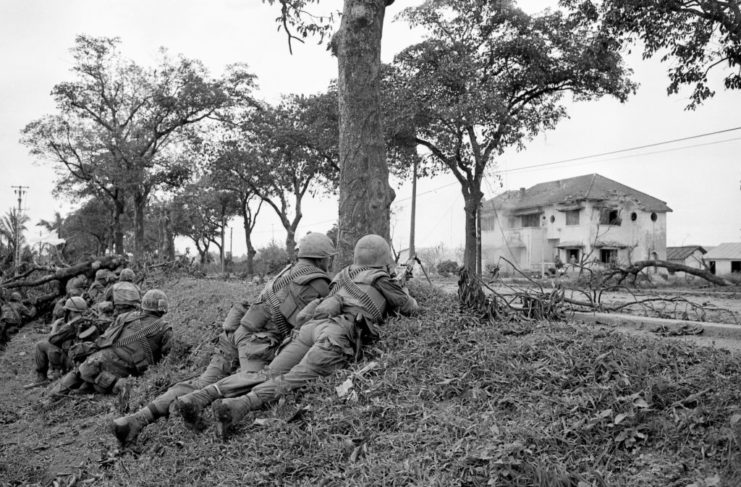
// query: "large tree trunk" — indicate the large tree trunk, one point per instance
point(472, 199)
point(247, 224)
point(140, 204)
point(291, 242)
point(365, 194)
point(167, 251)
point(118, 236)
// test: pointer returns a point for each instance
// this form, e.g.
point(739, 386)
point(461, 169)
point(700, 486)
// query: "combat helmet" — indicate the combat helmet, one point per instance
point(126, 293)
point(16, 296)
point(76, 304)
point(315, 246)
point(101, 275)
point(372, 250)
point(154, 300)
point(127, 275)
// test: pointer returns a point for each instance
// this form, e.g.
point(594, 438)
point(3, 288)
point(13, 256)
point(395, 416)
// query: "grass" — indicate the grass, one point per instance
point(452, 401)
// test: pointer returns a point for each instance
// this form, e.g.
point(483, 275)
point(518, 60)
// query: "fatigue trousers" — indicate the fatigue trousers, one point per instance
point(48, 355)
point(242, 349)
point(103, 368)
point(318, 348)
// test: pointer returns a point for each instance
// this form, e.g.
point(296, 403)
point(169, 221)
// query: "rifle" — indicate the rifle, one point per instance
point(409, 270)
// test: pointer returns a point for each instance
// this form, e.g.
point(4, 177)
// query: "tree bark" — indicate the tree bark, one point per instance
point(365, 193)
point(118, 236)
point(168, 238)
point(472, 199)
point(291, 242)
point(247, 223)
point(140, 203)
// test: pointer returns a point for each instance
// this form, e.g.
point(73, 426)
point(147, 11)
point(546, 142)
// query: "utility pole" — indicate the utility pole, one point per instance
point(412, 250)
point(20, 191)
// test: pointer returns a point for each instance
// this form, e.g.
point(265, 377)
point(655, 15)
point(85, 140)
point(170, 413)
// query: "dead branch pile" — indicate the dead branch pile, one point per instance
point(518, 305)
point(606, 290)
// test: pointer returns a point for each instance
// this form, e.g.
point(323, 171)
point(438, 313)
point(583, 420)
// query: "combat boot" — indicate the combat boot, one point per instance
point(190, 406)
point(127, 429)
point(41, 377)
point(228, 412)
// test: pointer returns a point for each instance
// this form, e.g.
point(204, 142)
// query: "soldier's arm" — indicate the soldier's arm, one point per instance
point(397, 296)
point(167, 342)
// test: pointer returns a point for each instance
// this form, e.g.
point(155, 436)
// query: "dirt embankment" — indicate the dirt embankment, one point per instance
point(451, 401)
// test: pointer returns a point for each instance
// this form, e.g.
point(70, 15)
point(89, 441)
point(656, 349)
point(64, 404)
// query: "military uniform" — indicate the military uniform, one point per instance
point(360, 298)
point(53, 352)
point(135, 341)
point(252, 333)
point(253, 343)
point(12, 315)
point(96, 292)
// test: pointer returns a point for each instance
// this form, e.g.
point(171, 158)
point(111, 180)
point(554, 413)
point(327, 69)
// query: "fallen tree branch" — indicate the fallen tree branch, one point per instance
point(63, 275)
point(638, 266)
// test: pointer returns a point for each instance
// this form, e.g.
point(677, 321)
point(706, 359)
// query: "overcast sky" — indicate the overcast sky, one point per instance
point(699, 178)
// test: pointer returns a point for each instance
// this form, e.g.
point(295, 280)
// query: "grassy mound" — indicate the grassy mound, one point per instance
point(450, 401)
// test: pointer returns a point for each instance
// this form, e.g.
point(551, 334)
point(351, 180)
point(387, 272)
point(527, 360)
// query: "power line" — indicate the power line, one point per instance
point(674, 149)
point(655, 144)
point(619, 151)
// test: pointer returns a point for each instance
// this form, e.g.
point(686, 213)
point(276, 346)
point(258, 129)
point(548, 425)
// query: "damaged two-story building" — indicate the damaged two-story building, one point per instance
point(585, 219)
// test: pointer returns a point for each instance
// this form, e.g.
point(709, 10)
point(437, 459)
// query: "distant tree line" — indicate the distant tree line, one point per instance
point(152, 152)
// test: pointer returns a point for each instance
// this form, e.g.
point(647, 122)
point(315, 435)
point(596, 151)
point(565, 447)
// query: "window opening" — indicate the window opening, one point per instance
point(609, 217)
point(608, 256)
point(572, 217)
point(529, 221)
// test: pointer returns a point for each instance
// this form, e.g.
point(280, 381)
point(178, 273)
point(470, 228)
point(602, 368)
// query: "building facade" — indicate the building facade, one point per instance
point(583, 220)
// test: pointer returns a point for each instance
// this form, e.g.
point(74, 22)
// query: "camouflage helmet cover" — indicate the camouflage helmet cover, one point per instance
point(126, 275)
point(126, 293)
point(75, 303)
point(154, 300)
point(101, 275)
point(315, 246)
point(16, 296)
point(372, 250)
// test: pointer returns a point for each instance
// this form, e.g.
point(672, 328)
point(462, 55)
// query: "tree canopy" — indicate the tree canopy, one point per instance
point(118, 124)
point(697, 35)
point(489, 77)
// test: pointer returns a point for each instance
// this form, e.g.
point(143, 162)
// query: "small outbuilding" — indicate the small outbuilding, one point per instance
point(725, 258)
point(689, 255)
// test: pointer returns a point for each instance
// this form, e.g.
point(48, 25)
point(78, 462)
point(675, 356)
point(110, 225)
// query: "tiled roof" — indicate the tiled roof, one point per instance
point(592, 187)
point(681, 253)
point(728, 250)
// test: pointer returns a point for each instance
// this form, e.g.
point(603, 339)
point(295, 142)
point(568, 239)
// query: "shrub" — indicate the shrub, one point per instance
point(271, 259)
point(447, 267)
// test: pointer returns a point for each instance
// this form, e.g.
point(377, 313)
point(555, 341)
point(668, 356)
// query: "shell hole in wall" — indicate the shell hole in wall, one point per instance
point(633, 216)
point(654, 217)
point(553, 218)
